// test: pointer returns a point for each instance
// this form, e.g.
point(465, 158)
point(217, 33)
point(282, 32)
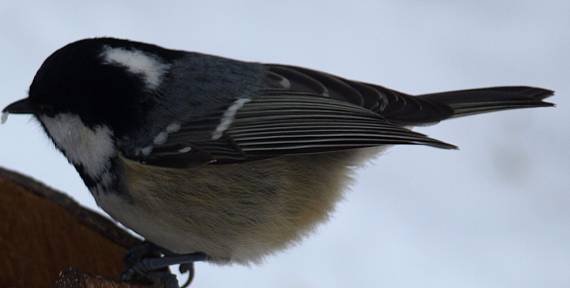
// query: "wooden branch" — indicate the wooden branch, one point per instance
point(43, 232)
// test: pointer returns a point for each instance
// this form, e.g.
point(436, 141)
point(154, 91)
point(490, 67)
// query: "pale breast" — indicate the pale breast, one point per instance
point(232, 212)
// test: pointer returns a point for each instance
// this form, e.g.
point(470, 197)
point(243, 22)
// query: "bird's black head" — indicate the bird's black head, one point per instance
point(103, 81)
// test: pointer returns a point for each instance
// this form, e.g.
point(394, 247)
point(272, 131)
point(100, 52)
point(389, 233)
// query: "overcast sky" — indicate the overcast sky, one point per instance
point(494, 214)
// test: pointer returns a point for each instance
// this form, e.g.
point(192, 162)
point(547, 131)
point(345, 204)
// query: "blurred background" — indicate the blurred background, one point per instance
point(494, 214)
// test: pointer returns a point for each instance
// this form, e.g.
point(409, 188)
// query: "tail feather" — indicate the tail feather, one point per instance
point(431, 108)
point(475, 101)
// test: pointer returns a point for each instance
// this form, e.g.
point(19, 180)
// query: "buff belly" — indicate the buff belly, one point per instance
point(204, 209)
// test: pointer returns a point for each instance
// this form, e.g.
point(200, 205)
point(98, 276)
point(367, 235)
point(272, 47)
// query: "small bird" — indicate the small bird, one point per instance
point(215, 159)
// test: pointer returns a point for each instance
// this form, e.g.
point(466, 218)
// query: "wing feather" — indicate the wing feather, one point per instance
point(296, 111)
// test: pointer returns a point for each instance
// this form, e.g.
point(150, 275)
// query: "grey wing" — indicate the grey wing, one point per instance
point(295, 111)
point(394, 106)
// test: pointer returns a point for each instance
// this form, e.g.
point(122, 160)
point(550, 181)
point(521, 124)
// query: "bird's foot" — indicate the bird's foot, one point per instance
point(148, 263)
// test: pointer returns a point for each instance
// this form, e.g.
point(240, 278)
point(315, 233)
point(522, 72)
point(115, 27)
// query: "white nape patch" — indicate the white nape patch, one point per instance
point(228, 118)
point(137, 62)
point(4, 117)
point(185, 149)
point(91, 148)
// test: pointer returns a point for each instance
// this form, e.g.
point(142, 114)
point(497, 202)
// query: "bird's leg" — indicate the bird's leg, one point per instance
point(133, 273)
point(149, 263)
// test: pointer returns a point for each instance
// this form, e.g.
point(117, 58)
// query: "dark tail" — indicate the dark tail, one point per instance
point(435, 107)
point(475, 101)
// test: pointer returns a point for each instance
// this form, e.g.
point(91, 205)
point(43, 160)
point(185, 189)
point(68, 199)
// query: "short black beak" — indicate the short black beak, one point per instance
point(19, 107)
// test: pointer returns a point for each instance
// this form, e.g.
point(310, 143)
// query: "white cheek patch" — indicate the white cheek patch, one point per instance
point(91, 148)
point(138, 62)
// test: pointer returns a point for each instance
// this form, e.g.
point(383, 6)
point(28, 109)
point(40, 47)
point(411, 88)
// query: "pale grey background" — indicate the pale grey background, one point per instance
point(493, 214)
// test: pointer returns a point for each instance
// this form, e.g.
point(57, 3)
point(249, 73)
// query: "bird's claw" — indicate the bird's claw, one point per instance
point(148, 263)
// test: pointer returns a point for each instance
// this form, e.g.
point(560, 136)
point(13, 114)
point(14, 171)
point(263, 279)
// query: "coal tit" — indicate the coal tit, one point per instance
point(232, 159)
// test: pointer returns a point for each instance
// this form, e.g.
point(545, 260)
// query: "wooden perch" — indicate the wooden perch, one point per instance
point(44, 232)
point(72, 278)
